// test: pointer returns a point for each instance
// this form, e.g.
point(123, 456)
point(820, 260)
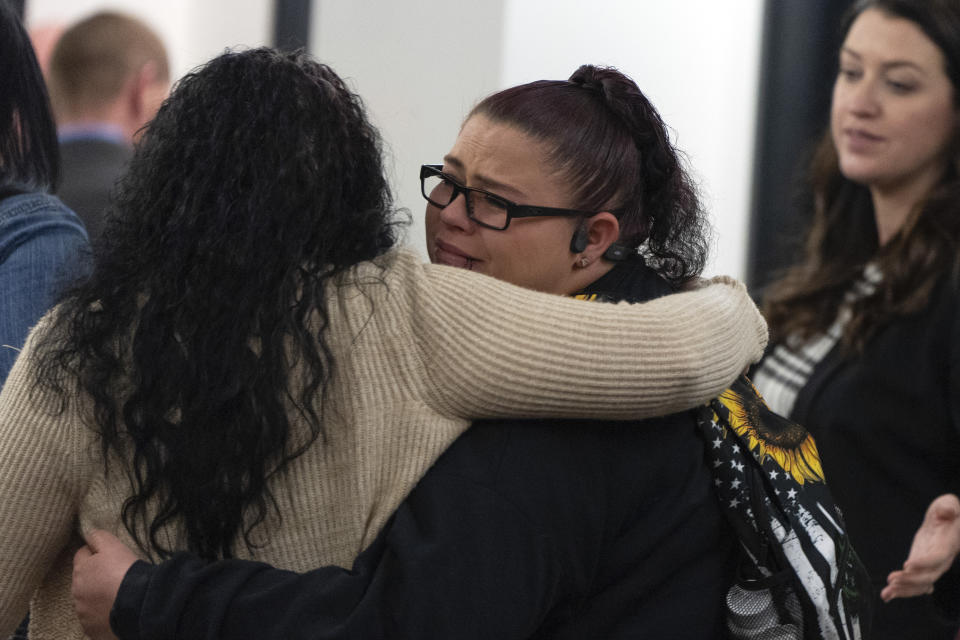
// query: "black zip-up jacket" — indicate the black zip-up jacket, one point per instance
point(887, 423)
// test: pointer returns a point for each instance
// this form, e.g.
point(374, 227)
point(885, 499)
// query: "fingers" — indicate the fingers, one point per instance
point(934, 548)
point(98, 572)
point(693, 284)
point(902, 584)
point(97, 539)
point(945, 507)
point(101, 541)
point(81, 555)
point(889, 593)
point(728, 280)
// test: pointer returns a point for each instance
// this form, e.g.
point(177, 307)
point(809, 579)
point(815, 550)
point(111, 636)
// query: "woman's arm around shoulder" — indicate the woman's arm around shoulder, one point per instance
point(492, 349)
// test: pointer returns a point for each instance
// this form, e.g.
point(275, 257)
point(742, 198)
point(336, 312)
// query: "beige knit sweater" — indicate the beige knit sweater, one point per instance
point(420, 349)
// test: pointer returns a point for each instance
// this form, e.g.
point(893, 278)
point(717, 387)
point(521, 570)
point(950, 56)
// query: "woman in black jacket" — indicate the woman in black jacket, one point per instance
point(866, 329)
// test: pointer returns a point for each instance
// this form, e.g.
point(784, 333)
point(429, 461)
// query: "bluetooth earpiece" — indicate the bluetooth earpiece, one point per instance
point(615, 253)
point(580, 239)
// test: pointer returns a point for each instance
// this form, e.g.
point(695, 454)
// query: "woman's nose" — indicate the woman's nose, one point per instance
point(862, 99)
point(455, 213)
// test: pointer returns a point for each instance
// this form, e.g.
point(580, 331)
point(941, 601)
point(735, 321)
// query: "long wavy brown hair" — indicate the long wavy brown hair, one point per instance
point(843, 236)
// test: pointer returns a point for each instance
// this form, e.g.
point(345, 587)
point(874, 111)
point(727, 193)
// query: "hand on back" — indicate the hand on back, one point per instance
point(98, 570)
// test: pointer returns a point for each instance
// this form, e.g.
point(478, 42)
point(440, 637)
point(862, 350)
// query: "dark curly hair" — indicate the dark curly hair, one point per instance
point(843, 236)
point(609, 141)
point(259, 180)
point(29, 157)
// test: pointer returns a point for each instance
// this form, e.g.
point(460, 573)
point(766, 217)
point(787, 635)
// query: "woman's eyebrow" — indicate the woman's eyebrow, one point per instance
point(889, 64)
point(449, 159)
point(485, 181)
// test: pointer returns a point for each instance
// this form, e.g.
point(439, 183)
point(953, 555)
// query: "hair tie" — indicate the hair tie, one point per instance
point(586, 77)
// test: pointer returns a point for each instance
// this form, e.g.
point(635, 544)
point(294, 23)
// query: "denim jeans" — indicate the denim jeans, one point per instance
point(43, 247)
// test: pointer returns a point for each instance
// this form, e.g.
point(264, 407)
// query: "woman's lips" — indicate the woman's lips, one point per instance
point(860, 140)
point(448, 254)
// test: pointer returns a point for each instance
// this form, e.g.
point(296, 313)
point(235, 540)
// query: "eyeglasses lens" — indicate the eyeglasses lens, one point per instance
point(483, 208)
point(488, 210)
point(437, 190)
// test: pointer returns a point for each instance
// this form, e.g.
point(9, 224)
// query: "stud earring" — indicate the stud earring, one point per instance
point(584, 262)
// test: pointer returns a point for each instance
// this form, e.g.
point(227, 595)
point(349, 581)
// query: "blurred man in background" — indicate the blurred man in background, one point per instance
point(108, 76)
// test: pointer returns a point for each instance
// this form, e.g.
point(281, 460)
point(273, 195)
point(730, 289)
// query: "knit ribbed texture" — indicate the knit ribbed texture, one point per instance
point(420, 350)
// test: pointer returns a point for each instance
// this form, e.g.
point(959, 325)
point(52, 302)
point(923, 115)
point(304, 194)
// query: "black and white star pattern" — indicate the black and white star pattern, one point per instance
point(784, 525)
point(727, 457)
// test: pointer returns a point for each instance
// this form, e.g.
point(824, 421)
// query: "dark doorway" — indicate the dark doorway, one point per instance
point(798, 58)
point(291, 24)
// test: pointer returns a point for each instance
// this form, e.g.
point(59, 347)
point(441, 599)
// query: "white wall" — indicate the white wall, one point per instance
point(697, 61)
point(193, 31)
point(420, 65)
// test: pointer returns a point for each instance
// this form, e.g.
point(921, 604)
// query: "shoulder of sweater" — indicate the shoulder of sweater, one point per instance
point(395, 264)
point(39, 336)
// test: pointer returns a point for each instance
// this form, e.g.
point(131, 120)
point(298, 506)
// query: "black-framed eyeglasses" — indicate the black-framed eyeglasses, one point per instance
point(485, 208)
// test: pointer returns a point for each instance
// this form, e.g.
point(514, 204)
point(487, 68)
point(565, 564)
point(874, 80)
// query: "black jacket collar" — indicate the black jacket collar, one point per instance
point(631, 280)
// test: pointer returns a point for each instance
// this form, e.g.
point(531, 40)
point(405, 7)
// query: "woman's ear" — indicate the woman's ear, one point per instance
point(602, 230)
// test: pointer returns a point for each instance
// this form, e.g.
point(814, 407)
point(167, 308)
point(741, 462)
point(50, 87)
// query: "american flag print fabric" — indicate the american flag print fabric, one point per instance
point(770, 483)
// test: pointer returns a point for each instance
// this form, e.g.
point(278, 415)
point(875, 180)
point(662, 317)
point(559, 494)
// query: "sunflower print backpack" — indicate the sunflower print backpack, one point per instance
point(798, 575)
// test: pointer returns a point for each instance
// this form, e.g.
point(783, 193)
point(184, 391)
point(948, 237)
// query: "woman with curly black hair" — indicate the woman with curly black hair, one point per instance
point(253, 370)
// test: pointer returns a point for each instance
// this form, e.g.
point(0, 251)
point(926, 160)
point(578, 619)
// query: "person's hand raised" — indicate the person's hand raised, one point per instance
point(935, 546)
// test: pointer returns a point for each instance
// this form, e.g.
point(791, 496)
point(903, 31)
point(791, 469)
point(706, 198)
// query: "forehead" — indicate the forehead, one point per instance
point(501, 157)
point(886, 38)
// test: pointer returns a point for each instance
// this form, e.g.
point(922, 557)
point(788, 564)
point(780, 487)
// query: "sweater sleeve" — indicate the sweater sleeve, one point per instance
point(491, 349)
point(41, 483)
